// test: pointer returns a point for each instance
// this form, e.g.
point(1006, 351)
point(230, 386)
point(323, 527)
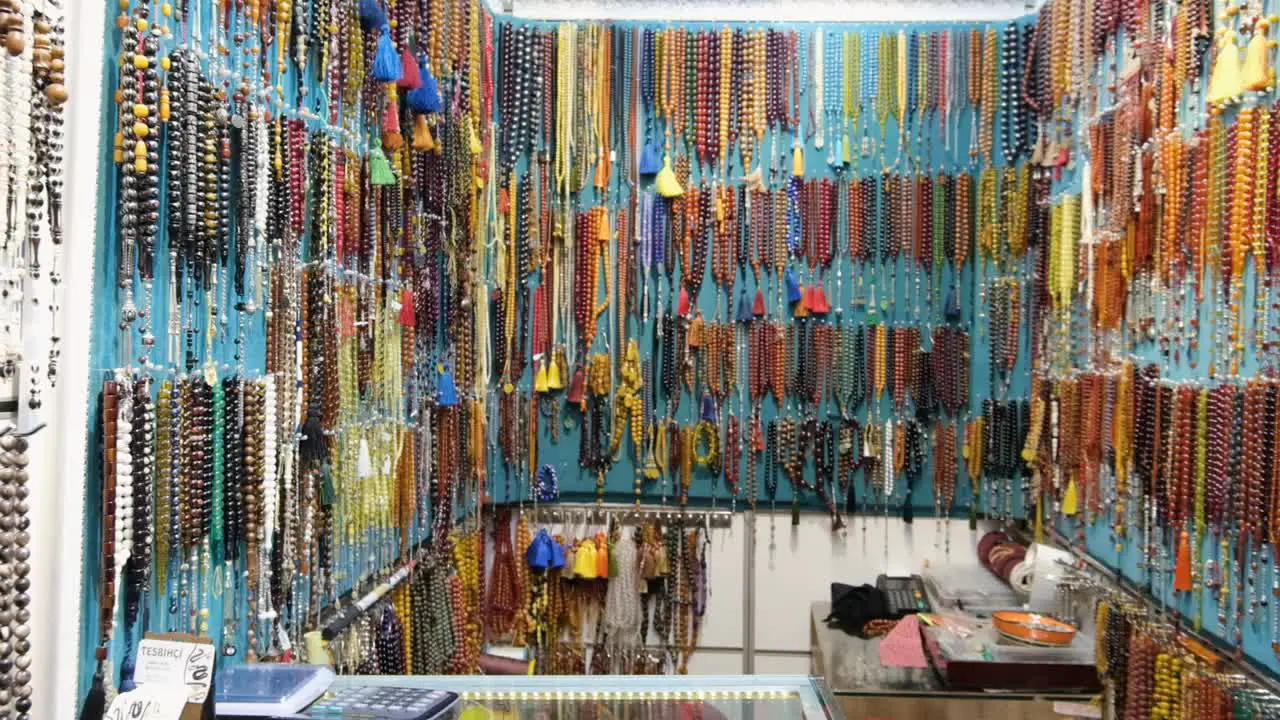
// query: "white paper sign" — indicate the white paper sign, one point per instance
point(1078, 709)
point(149, 702)
point(173, 663)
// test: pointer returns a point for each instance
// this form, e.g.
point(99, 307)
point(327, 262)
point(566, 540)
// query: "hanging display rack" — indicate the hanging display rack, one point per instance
point(1108, 579)
point(593, 513)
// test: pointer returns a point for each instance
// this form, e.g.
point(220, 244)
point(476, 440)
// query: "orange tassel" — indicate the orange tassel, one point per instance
point(422, 139)
point(1182, 572)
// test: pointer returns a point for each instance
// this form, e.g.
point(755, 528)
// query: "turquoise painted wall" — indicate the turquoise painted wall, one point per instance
point(904, 307)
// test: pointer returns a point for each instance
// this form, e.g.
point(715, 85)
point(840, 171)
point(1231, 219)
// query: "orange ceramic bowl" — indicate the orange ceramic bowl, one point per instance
point(1033, 628)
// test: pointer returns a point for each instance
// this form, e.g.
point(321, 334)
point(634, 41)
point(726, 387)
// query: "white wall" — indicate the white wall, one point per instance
point(797, 571)
point(807, 558)
point(57, 463)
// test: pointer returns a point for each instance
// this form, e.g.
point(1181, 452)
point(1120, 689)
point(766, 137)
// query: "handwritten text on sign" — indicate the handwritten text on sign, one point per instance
point(169, 662)
point(149, 702)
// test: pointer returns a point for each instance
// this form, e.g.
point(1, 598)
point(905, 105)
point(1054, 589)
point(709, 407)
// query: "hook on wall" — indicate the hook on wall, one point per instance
point(38, 427)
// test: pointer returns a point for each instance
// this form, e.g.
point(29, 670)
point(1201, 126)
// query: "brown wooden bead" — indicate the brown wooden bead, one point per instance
point(15, 42)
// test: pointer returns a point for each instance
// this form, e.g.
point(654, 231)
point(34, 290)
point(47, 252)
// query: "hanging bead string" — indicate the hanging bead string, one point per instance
point(378, 352)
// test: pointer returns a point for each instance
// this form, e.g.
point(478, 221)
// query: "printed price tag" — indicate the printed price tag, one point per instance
point(150, 702)
point(174, 663)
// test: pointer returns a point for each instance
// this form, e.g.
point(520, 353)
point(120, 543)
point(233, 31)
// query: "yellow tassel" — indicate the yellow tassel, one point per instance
point(555, 381)
point(1070, 501)
point(585, 565)
point(473, 139)
point(666, 183)
point(422, 139)
point(540, 378)
point(1256, 74)
point(1225, 83)
point(797, 161)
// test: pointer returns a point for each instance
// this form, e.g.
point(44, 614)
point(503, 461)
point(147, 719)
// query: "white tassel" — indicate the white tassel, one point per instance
point(364, 464)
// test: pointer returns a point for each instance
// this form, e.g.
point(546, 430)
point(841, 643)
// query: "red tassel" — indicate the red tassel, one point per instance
point(408, 315)
point(1182, 572)
point(391, 138)
point(821, 305)
point(809, 302)
point(410, 78)
point(682, 309)
point(391, 119)
point(757, 305)
point(578, 388)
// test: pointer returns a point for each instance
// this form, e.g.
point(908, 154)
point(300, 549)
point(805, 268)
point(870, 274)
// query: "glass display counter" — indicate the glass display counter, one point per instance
point(693, 697)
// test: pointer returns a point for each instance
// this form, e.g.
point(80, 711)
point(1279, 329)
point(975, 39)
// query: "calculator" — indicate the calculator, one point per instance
point(903, 595)
point(375, 702)
point(308, 692)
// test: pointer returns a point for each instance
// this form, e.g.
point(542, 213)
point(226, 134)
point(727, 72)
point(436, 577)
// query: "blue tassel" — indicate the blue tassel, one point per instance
point(952, 311)
point(372, 15)
point(447, 394)
point(557, 555)
point(425, 99)
point(539, 553)
point(793, 287)
point(744, 308)
point(386, 63)
point(126, 674)
point(709, 408)
point(650, 160)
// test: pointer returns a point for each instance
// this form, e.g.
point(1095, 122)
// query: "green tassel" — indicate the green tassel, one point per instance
point(380, 168)
point(328, 493)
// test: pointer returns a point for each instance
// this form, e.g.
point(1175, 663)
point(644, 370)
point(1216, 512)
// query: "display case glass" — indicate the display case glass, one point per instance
point(707, 697)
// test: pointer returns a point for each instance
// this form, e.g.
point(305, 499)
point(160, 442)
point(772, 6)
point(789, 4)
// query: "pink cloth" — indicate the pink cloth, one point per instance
point(902, 646)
